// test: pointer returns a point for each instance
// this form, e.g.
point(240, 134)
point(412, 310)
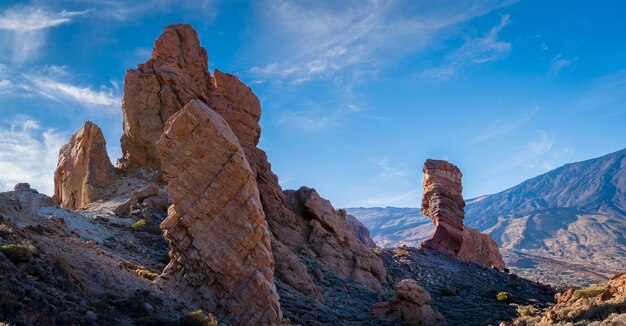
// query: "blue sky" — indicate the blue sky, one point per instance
point(355, 94)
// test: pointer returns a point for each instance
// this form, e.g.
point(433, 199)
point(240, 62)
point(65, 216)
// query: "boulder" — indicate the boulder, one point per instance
point(84, 169)
point(221, 259)
point(411, 306)
point(480, 248)
point(149, 194)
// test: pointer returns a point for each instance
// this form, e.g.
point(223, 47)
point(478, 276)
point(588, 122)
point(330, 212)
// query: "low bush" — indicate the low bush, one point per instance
point(17, 253)
point(401, 253)
point(145, 226)
point(505, 297)
point(146, 274)
point(588, 292)
point(447, 292)
point(197, 318)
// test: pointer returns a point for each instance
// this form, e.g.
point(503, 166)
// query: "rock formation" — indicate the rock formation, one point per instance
point(411, 306)
point(177, 73)
point(331, 239)
point(83, 170)
point(443, 202)
point(216, 229)
point(480, 248)
point(360, 230)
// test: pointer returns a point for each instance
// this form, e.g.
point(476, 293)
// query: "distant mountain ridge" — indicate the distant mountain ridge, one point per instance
point(565, 226)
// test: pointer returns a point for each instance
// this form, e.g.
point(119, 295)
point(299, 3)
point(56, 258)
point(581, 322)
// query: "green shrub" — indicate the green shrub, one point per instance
point(401, 253)
point(146, 274)
point(145, 226)
point(378, 251)
point(17, 253)
point(197, 318)
point(447, 292)
point(588, 292)
point(505, 297)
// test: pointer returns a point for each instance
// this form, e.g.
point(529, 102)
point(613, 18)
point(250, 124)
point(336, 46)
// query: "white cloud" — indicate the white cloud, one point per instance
point(84, 95)
point(23, 30)
point(543, 155)
point(318, 39)
point(559, 63)
point(388, 171)
point(410, 198)
point(474, 51)
point(503, 127)
point(315, 117)
point(132, 9)
point(29, 153)
point(25, 19)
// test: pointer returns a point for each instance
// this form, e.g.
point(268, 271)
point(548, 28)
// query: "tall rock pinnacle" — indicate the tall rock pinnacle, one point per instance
point(443, 202)
point(219, 239)
point(176, 73)
point(84, 168)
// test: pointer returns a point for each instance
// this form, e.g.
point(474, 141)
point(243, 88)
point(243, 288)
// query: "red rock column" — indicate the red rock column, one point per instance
point(443, 203)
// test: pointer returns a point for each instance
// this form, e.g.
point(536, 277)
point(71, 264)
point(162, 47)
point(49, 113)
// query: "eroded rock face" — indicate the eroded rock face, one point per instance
point(443, 202)
point(480, 248)
point(176, 73)
point(216, 229)
point(83, 170)
point(411, 306)
point(360, 230)
point(331, 238)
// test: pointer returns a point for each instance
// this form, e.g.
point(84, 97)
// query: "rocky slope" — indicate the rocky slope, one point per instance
point(601, 304)
point(571, 219)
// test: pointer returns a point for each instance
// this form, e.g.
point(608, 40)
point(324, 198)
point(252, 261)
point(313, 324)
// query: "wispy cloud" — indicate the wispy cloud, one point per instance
point(23, 29)
point(57, 83)
point(389, 171)
point(82, 94)
point(474, 51)
point(130, 10)
point(319, 39)
point(410, 198)
point(543, 155)
point(605, 95)
point(315, 118)
point(559, 63)
point(28, 153)
point(503, 127)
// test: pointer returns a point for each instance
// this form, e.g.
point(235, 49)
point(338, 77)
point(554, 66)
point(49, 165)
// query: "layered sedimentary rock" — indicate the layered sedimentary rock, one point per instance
point(411, 306)
point(443, 202)
point(219, 239)
point(330, 237)
point(480, 248)
point(83, 170)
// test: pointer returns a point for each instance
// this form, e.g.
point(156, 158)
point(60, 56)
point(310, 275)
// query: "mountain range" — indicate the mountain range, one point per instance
point(567, 226)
